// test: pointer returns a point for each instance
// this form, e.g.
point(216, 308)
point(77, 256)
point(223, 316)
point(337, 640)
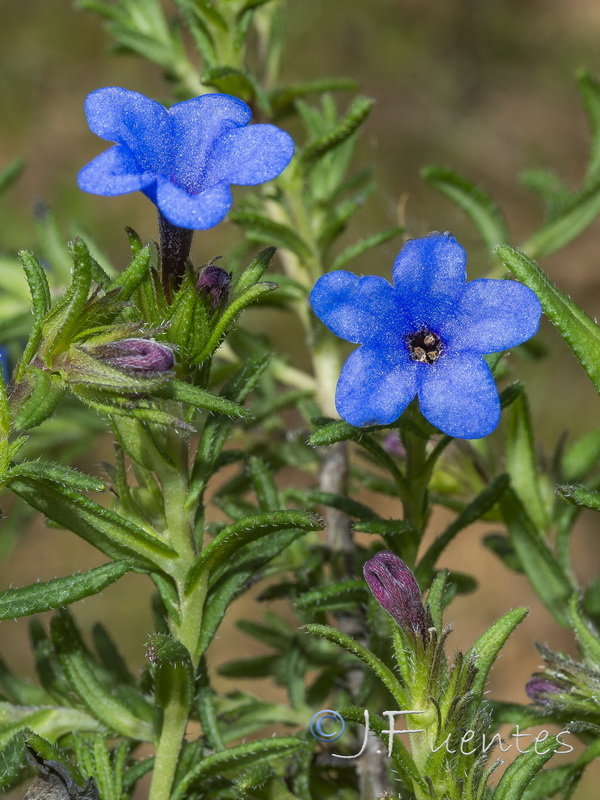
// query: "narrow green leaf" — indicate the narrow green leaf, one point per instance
point(204, 702)
point(349, 124)
point(101, 702)
point(261, 229)
point(523, 769)
point(474, 511)
point(339, 431)
point(502, 547)
point(60, 323)
point(514, 714)
point(207, 9)
point(579, 495)
point(241, 569)
point(336, 220)
point(109, 655)
point(486, 649)
point(590, 94)
point(137, 771)
point(41, 402)
point(10, 173)
point(51, 242)
point(385, 675)
point(581, 456)
point(511, 393)
point(588, 639)
point(58, 473)
point(362, 246)
point(282, 99)
point(243, 532)
point(578, 330)
point(351, 507)
point(251, 4)
point(254, 271)
point(40, 298)
point(255, 667)
point(4, 426)
point(200, 398)
point(556, 782)
point(230, 81)
point(483, 212)
point(545, 575)
point(237, 757)
point(555, 195)
point(561, 230)
point(264, 484)
point(48, 752)
point(38, 284)
point(228, 316)
point(130, 279)
point(521, 462)
point(384, 527)
point(334, 596)
point(203, 38)
point(591, 600)
point(110, 533)
point(59, 592)
point(274, 632)
point(435, 599)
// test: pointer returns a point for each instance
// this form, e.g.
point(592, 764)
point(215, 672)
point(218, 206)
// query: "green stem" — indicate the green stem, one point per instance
point(417, 477)
point(326, 366)
point(179, 520)
point(175, 485)
point(175, 721)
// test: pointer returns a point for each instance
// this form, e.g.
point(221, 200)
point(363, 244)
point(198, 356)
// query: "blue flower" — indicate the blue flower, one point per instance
point(426, 335)
point(183, 158)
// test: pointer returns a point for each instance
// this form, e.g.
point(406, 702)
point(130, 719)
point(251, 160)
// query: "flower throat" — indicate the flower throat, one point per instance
point(425, 346)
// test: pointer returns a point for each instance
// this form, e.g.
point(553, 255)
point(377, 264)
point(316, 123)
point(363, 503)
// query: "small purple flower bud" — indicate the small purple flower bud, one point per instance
point(397, 591)
point(538, 689)
point(214, 283)
point(139, 356)
point(394, 446)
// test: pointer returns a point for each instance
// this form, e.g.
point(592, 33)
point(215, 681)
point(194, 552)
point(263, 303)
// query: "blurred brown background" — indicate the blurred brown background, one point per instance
point(483, 87)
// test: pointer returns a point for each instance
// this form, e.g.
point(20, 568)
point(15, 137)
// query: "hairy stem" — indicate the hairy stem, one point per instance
point(174, 725)
point(174, 248)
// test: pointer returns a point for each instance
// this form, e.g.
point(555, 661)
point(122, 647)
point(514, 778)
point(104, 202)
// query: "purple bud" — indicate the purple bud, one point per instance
point(214, 283)
point(396, 589)
point(538, 689)
point(140, 356)
point(394, 446)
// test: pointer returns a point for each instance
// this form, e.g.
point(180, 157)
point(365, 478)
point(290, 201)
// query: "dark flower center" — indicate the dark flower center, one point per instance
point(425, 346)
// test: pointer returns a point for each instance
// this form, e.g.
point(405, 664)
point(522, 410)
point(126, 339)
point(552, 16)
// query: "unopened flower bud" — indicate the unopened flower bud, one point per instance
point(138, 356)
point(538, 689)
point(397, 591)
point(394, 446)
point(214, 283)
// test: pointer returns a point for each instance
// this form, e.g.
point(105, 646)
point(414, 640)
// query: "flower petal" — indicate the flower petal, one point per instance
point(493, 315)
point(249, 156)
point(428, 273)
point(195, 211)
point(129, 118)
point(458, 395)
point(361, 310)
point(197, 124)
point(374, 389)
point(113, 172)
